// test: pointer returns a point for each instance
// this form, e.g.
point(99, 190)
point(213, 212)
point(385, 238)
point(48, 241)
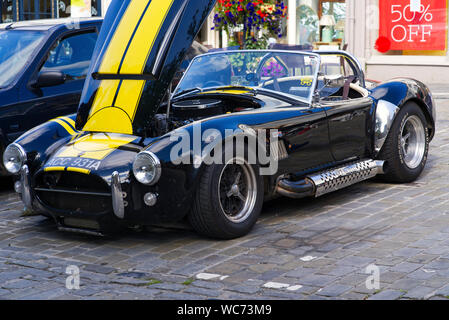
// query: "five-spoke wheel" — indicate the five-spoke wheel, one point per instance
point(229, 198)
point(407, 145)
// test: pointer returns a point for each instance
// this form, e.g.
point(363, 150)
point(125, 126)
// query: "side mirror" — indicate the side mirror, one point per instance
point(335, 81)
point(49, 79)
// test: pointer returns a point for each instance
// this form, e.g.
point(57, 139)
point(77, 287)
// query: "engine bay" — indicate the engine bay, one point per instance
point(188, 110)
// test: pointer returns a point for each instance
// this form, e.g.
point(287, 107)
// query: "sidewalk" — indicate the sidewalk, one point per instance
point(439, 90)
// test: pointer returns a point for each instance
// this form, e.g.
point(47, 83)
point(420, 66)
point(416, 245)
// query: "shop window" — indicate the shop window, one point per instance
point(307, 25)
point(64, 8)
point(36, 9)
point(8, 10)
point(332, 20)
point(321, 23)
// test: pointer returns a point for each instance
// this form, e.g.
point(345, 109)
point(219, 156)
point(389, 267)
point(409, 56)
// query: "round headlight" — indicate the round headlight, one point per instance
point(147, 168)
point(14, 158)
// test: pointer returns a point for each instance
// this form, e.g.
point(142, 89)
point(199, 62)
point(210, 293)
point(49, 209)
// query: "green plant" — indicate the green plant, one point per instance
point(188, 282)
point(152, 282)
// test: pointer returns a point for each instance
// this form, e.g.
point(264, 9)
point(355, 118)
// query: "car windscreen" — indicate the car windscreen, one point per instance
point(16, 49)
point(288, 73)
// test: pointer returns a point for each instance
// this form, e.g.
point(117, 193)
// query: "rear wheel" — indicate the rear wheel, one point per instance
point(407, 146)
point(229, 199)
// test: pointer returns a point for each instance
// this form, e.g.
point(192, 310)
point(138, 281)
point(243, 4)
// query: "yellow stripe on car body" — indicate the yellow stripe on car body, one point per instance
point(65, 126)
point(51, 169)
point(79, 170)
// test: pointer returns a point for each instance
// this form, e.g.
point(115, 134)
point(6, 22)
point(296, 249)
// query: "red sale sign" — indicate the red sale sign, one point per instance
point(412, 25)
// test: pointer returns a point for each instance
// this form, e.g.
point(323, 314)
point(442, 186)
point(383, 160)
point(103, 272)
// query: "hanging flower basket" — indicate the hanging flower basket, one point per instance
point(248, 19)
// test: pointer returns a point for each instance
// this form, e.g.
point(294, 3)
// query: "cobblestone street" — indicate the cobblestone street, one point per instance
point(300, 249)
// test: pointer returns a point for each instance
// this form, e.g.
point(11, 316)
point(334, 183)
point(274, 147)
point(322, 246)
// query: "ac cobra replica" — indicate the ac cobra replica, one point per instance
point(123, 160)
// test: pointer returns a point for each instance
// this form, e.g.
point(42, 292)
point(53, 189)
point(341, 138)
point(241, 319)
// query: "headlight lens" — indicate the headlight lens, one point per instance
point(147, 168)
point(14, 158)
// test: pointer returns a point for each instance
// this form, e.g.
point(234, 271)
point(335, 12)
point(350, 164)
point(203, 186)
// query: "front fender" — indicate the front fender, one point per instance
point(393, 95)
point(42, 141)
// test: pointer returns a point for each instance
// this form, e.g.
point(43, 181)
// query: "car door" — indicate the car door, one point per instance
point(349, 110)
point(69, 55)
point(349, 127)
point(306, 136)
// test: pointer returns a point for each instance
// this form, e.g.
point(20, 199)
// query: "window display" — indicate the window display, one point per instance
point(320, 23)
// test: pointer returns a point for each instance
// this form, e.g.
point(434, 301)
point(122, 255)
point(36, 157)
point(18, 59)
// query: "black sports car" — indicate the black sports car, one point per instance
point(240, 128)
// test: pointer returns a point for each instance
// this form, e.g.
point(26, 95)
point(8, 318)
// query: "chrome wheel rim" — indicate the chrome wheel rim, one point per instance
point(413, 141)
point(237, 190)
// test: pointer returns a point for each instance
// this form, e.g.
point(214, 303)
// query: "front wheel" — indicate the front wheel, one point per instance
point(407, 146)
point(228, 200)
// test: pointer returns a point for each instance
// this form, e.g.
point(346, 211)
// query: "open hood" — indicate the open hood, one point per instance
point(139, 49)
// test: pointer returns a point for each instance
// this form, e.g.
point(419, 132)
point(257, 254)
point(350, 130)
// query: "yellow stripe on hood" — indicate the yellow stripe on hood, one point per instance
point(112, 111)
point(96, 146)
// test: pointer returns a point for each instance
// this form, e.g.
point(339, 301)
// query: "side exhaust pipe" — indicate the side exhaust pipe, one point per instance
point(331, 180)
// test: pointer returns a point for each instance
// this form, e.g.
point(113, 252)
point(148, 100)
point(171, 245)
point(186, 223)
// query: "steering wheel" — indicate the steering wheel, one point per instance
point(211, 84)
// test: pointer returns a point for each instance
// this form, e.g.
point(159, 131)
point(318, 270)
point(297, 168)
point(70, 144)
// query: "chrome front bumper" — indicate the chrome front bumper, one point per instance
point(118, 203)
point(27, 197)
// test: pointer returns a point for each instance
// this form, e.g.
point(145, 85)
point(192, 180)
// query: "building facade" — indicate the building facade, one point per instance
point(391, 38)
point(18, 10)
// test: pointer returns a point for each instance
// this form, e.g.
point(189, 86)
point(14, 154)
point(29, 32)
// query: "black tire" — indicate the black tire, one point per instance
point(208, 217)
point(397, 170)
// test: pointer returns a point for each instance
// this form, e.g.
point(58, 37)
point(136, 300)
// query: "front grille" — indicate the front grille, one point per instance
point(73, 192)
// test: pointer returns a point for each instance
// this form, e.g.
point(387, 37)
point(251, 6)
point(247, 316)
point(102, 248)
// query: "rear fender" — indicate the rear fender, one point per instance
point(393, 95)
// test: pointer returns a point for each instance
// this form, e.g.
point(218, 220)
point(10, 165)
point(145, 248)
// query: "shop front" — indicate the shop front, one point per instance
point(18, 10)
point(400, 38)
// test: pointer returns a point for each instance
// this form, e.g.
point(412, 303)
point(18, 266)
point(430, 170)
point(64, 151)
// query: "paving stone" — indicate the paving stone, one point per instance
point(438, 264)
point(420, 292)
point(405, 267)
point(338, 271)
point(333, 290)
point(245, 289)
point(355, 261)
point(300, 272)
point(406, 284)
point(208, 284)
point(168, 286)
point(444, 291)
point(316, 280)
point(387, 295)
point(99, 269)
point(19, 284)
point(435, 282)
point(210, 293)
